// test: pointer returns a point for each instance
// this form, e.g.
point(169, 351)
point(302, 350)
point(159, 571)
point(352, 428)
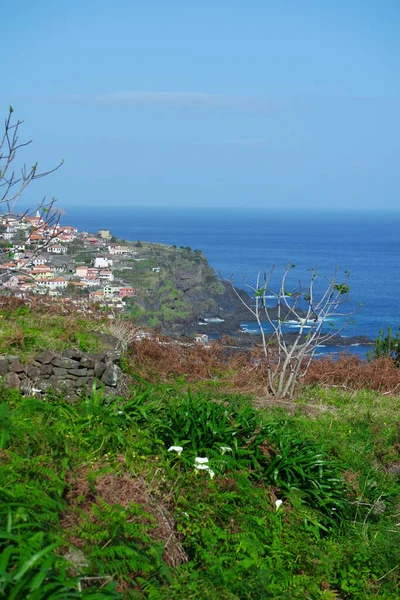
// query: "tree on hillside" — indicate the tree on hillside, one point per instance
point(287, 356)
point(14, 180)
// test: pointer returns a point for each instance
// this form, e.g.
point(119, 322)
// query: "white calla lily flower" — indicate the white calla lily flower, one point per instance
point(278, 504)
point(202, 467)
point(177, 449)
point(201, 460)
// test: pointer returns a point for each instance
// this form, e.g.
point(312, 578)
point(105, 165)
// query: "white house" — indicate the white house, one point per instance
point(57, 249)
point(38, 261)
point(106, 275)
point(101, 262)
point(53, 284)
point(91, 282)
point(119, 250)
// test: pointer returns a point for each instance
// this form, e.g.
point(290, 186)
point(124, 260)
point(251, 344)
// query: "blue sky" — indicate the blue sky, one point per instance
point(263, 104)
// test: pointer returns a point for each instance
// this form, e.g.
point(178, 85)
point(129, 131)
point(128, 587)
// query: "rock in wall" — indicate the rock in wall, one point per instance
point(71, 373)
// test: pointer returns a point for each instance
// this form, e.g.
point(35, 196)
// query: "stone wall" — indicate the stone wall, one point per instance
point(71, 373)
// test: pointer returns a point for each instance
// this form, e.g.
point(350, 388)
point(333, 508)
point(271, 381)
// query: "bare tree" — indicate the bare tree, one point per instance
point(288, 357)
point(14, 181)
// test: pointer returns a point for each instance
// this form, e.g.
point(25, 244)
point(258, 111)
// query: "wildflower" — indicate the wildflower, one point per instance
point(225, 449)
point(177, 449)
point(201, 460)
point(202, 467)
point(211, 473)
point(278, 504)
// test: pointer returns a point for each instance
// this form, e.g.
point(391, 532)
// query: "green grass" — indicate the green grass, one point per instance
point(97, 476)
point(25, 332)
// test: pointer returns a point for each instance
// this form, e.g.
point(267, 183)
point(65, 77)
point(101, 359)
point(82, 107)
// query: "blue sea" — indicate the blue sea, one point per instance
point(243, 242)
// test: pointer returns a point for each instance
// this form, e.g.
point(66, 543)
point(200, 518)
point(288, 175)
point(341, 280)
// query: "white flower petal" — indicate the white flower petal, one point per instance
point(177, 449)
point(202, 467)
point(211, 473)
point(278, 503)
point(201, 460)
point(226, 449)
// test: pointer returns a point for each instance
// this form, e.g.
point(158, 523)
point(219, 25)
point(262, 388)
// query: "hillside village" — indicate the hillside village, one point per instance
point(59, 261)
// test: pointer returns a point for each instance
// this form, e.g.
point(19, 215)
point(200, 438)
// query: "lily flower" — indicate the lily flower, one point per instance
point(278, 503)
point(225, 449)
point(177, 449)
point(201, 460)
point(202, 467)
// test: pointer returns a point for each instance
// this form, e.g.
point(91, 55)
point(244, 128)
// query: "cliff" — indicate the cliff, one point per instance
point(175, 288)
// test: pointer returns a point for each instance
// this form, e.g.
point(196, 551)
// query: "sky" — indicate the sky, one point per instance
point(220, 103)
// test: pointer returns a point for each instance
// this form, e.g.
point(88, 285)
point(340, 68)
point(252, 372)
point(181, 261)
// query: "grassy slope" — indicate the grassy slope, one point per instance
point(97, 480)
point(63, 468)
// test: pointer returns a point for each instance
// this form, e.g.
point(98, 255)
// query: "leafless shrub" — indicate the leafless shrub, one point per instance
point(287, 360)
point(124, 331)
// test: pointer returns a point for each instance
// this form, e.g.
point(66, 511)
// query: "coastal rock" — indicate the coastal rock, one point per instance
point(87, 362)
point(45, 357)
point(72, 353)
point(66, 363)
point(46, 369)
point(61, 385)
point(111, 375)
point(17, 367)
point(4, 367)
point(32, 372)
point(12, 358)
point(78, 372)
point(11, 381)
point(99, 368)
point(59, 372)
point(113, 356)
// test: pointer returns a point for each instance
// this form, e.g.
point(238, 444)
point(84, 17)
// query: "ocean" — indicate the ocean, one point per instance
point(242, 243)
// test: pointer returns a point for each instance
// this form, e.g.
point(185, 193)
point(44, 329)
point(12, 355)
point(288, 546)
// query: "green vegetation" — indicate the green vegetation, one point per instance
point(184, 286)
point(25, 331)
point(184, 490)
point(387, 345)
point(92, 490)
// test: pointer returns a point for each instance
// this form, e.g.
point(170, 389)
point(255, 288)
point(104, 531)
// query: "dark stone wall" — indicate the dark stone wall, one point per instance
point(71, 373)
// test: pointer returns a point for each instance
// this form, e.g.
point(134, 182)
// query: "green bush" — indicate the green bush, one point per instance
point(387, 346)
